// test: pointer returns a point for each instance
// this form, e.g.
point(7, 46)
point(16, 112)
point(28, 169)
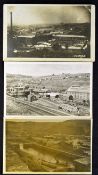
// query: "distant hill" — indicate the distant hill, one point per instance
point(51, 82)
point(29, 129)
point(17, 76)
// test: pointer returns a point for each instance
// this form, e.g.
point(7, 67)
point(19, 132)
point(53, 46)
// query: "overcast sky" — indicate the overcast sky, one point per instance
point(40, 69)
point(51, 14)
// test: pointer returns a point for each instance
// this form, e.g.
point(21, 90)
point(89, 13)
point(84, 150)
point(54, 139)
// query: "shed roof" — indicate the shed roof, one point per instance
point(70, 36)
point(26, 36)
point(85, 89)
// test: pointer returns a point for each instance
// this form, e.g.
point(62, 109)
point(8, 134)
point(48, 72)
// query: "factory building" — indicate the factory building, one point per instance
point(18, 90)
point(79, 92)
point(71, 41)
point(31, 97)
point(71, 38)
point(52, 95)
point(23, 41)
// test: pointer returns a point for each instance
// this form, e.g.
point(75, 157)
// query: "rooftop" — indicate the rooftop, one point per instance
point(70, 36)
point(26, 36)
point(85, 89)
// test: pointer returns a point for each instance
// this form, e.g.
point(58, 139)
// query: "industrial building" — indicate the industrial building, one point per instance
point(18, 90)
point(78, 92)
point(71, 41)
point(56, 41)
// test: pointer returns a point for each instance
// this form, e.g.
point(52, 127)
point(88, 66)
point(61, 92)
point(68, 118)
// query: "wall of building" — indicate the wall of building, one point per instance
point(79, 95)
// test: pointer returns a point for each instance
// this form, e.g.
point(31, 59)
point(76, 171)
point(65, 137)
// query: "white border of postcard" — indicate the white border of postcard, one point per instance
point(92, 42)
point(80, 63)
point(4, 150)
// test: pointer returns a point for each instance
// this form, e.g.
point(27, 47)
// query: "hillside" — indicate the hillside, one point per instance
point(52, 82)
point(70, 127)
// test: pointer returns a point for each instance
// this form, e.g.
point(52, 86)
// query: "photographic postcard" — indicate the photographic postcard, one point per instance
point(48, 89)
point(47, 146)
point(41, 32)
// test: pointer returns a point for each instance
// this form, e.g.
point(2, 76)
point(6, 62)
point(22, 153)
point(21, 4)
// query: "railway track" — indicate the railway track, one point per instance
point(52, 151)
point(56, 111)
point(40, 109)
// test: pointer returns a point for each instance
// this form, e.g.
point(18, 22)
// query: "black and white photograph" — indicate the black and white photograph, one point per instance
point(48, 89)
point(49, 32)
point(47, 146)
